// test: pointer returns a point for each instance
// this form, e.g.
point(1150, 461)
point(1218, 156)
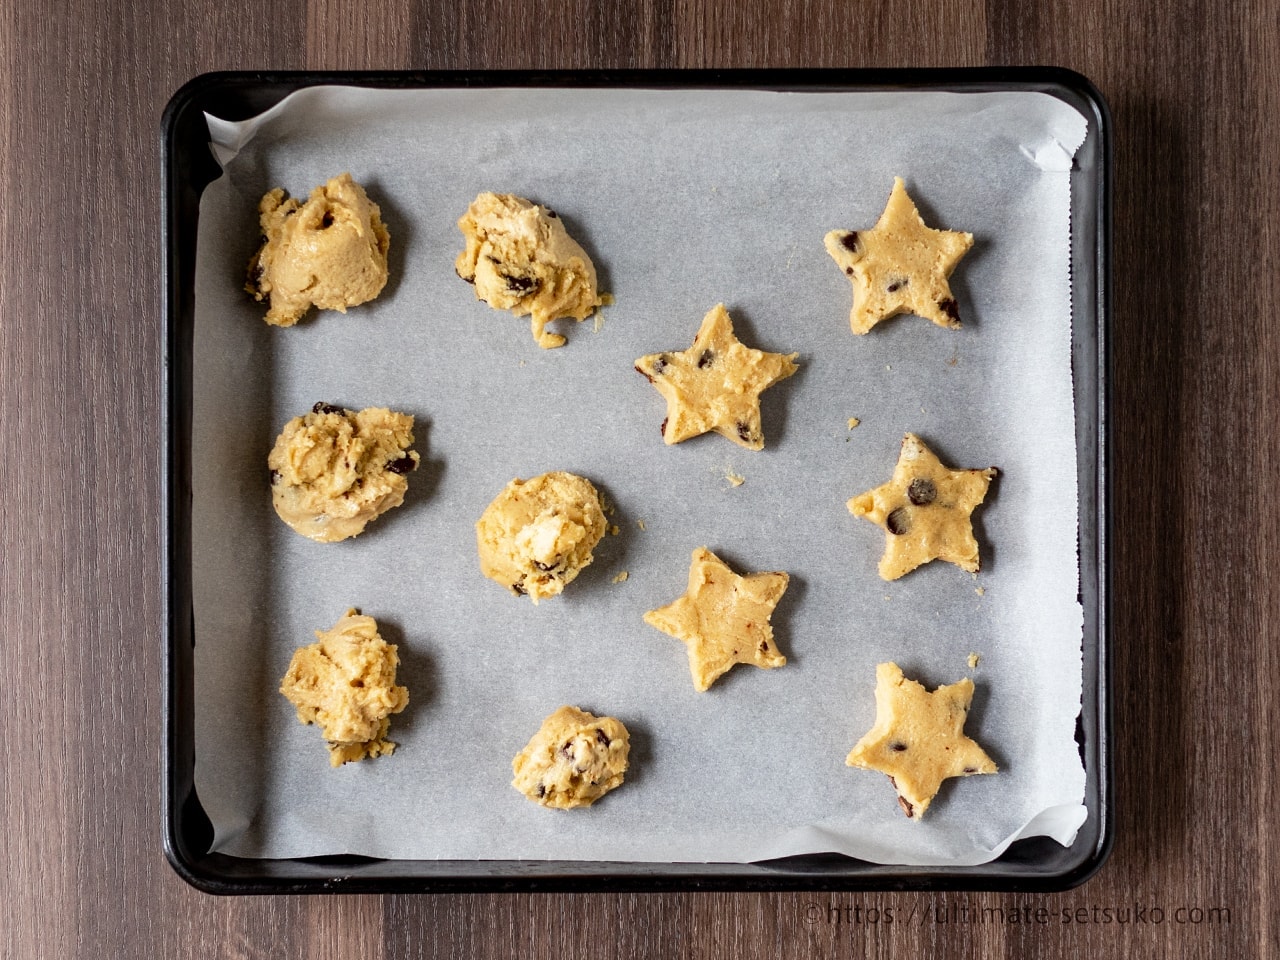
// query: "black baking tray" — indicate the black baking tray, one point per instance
point(1033, 865)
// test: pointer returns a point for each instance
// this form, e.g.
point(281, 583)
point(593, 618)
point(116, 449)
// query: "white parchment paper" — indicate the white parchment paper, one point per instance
point(684, 199)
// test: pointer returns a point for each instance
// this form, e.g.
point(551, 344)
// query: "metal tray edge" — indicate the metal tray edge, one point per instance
point(182, 830)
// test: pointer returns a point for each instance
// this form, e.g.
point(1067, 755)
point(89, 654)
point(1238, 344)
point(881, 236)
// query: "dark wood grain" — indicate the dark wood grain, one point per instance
point(1195, 90)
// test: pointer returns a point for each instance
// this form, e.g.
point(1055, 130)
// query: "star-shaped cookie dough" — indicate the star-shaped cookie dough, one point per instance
point(723, 618)
point(715, 384)
point(925, 510)
point(899, 265)
point(918, 738)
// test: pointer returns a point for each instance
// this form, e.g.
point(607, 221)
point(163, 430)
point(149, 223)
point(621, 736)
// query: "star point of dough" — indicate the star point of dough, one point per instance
point(723, 618)
point(899, 265)
point(918, 738)
point(926, 511)
point(715, 385)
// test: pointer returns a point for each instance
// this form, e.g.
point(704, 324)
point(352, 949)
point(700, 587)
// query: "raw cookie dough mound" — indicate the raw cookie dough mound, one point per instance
point(537, 535)
point(723, 618)
point(918, 739)
point(925, 510)
point(333, 470)
point(573, 760)
point(346, 685)
point(899, 266)
point(520, 258)
point(330, 252)
point(715, 384)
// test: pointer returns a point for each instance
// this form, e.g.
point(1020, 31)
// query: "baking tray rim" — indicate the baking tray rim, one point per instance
point(1037, 864)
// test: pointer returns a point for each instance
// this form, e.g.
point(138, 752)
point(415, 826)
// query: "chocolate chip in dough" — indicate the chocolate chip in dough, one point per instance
point(922, 491)
point(898, 522)
point(521, 284)
point(401, 465)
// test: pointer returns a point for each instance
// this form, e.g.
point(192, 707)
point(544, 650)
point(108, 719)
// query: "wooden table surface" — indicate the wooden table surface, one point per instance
point(1194, 89)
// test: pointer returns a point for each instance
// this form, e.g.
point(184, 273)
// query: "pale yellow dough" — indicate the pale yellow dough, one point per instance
point(899, 265)
point(918, 739)
point(573, 760)
point(925, 510)
point(346, 685)
point(330, 252)
point(335, 470)
point(715, 384)
point(538, 534)
point(723, 618)
point(520, 258)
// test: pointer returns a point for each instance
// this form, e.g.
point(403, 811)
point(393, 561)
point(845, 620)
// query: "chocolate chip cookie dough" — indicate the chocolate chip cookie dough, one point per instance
point(918, 739)
point(330, 252)
point(335, 470)
point(573, 760)
point(715, 384)
point(926, 511)
point(723, 618)
point(346, 684)
point(899, 265)
point(538, 534)
point(520, 258)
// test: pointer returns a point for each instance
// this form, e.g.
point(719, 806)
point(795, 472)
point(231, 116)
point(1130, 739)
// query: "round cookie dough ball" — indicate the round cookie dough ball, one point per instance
point(334, 470)
point(573, 760)
point(520, 258)
point(345, 683)
point(538, 534)
point(330, 252)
